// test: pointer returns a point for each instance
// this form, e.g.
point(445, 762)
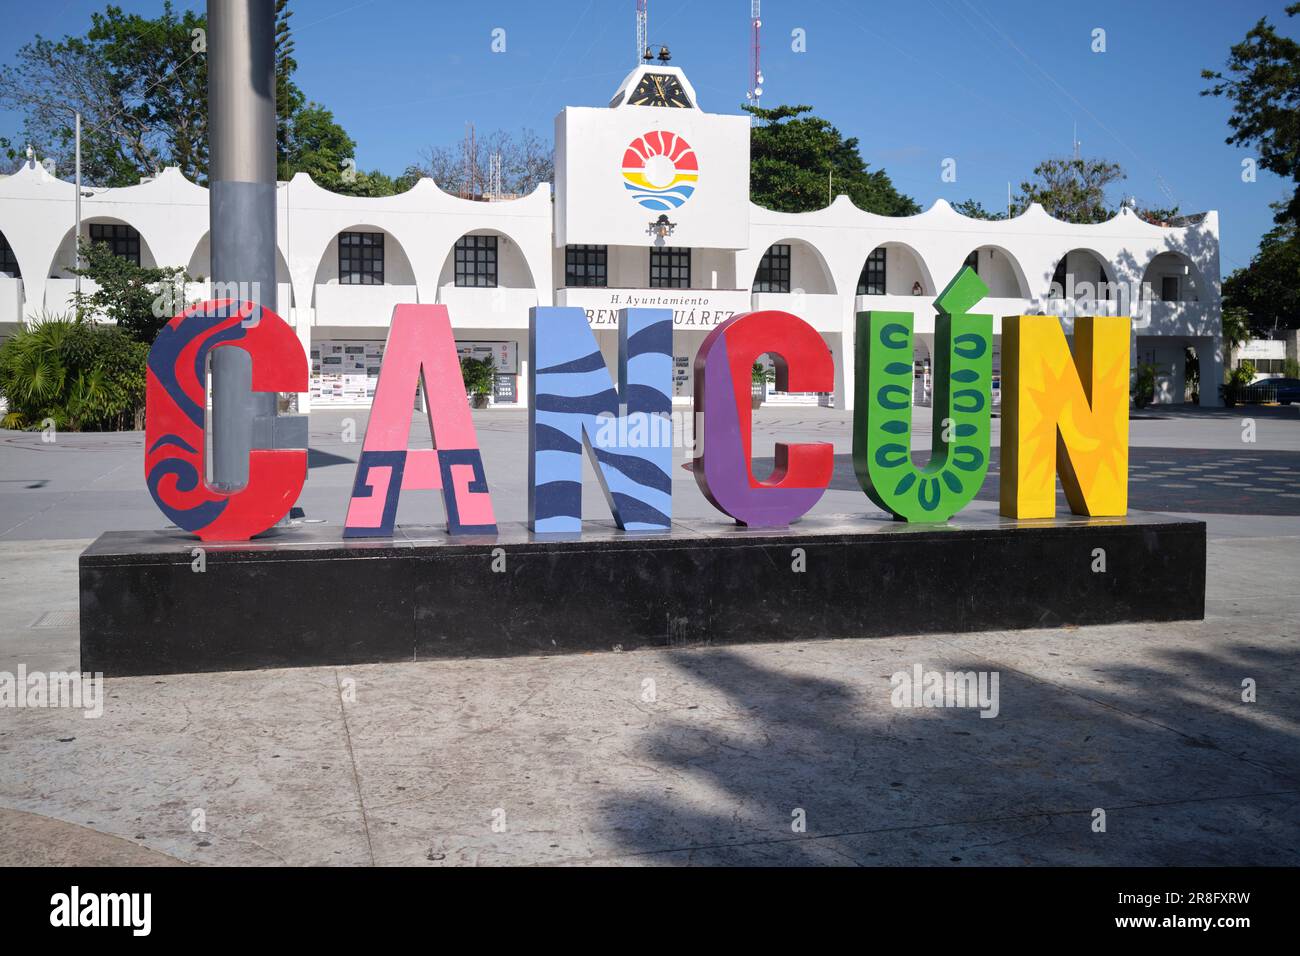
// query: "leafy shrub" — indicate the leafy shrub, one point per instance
point(80, 375)
point(1243, 374)
point(139, 299)
point(479, 375)
point(1144, 389)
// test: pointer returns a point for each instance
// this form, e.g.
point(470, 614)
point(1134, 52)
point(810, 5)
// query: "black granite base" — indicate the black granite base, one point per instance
point(304, 597)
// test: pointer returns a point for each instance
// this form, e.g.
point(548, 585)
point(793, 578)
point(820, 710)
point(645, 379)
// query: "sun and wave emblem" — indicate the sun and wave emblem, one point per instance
point(660, 170)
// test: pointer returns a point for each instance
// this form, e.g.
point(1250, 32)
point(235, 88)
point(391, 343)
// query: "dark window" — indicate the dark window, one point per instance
point(8, 261)
point(973, 260)
point(586, 265)
point(361, 258)
point(1092, 272)
point(872, 279)
point(774, 270)
point(1058, 280)
point(476, 261)
point(670, 268)
point(122, 240)
point(1169, 288)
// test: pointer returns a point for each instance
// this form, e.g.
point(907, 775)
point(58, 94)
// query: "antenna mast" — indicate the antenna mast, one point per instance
point(472, 185)
point(755, 66)
point(642, 29)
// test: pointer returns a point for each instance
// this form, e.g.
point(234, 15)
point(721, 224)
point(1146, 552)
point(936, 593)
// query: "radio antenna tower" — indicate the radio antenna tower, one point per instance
point(472, 185)
point(642, 29)
point(755, 66)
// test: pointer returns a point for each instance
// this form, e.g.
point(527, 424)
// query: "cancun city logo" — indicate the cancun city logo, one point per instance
point(660, 170)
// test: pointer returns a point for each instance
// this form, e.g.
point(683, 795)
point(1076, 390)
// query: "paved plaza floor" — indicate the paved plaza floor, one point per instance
point(782, 753)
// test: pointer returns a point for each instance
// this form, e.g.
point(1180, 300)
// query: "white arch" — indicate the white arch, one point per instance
point(66, 252)
point(199, 267)
point(1177, 264)
point(1018, 288)
point(5, 241)
point(514, 271)
point(921, 269)
point(806, 261)
point(1074, 270)
point(398, 268)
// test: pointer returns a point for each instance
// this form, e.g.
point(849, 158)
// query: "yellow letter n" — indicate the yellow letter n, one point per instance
point(1064, 414)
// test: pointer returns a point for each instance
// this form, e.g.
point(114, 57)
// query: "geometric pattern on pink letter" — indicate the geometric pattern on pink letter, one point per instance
point(421, 350)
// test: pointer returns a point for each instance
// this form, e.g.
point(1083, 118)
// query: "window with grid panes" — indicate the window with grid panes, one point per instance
point(476, 261)
point(670, 267)
point(774, 270)
point(123, 240)
point(872, 279)
point(361, 258)
point(8, 261)
point(586, 265)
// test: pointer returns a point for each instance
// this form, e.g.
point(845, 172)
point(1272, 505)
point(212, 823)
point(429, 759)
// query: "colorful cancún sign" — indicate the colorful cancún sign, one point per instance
point(1063, 413)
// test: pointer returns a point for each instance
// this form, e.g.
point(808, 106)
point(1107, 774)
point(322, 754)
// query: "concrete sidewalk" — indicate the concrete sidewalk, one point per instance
point(697, 756)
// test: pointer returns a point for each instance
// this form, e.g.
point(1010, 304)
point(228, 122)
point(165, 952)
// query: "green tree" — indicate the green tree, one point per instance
point(139, 299)
point(289, 99)
point(974, 209)
point(1263, 84)
point(1072, 190)
point(1236, 325)
point(1268, 290)
point(1157, 215)
point(318, 146)
point(141, 85)
point(796, 160)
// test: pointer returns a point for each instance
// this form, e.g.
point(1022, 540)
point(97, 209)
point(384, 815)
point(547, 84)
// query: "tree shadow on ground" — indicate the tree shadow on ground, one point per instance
point(1186, 772)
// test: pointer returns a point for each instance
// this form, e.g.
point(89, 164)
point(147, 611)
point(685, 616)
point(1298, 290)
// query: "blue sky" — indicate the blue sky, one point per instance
point(996, 85)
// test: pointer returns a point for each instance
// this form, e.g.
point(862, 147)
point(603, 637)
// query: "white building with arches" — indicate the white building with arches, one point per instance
point(650, 207)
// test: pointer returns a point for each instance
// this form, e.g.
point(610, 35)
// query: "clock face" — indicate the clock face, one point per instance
point(659, 89)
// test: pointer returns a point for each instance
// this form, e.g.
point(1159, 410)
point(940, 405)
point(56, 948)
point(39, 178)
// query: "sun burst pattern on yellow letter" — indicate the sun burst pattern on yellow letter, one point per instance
point(1066, 415)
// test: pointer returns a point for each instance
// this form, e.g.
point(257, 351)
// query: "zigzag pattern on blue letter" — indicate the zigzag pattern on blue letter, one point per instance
point(573, 403)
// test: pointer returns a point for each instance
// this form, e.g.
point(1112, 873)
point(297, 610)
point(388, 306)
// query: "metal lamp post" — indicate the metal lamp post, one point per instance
point(76, 233)
point(241, 157)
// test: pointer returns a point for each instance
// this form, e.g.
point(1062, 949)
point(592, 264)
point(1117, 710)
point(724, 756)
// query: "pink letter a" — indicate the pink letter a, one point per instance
point(421, 350)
